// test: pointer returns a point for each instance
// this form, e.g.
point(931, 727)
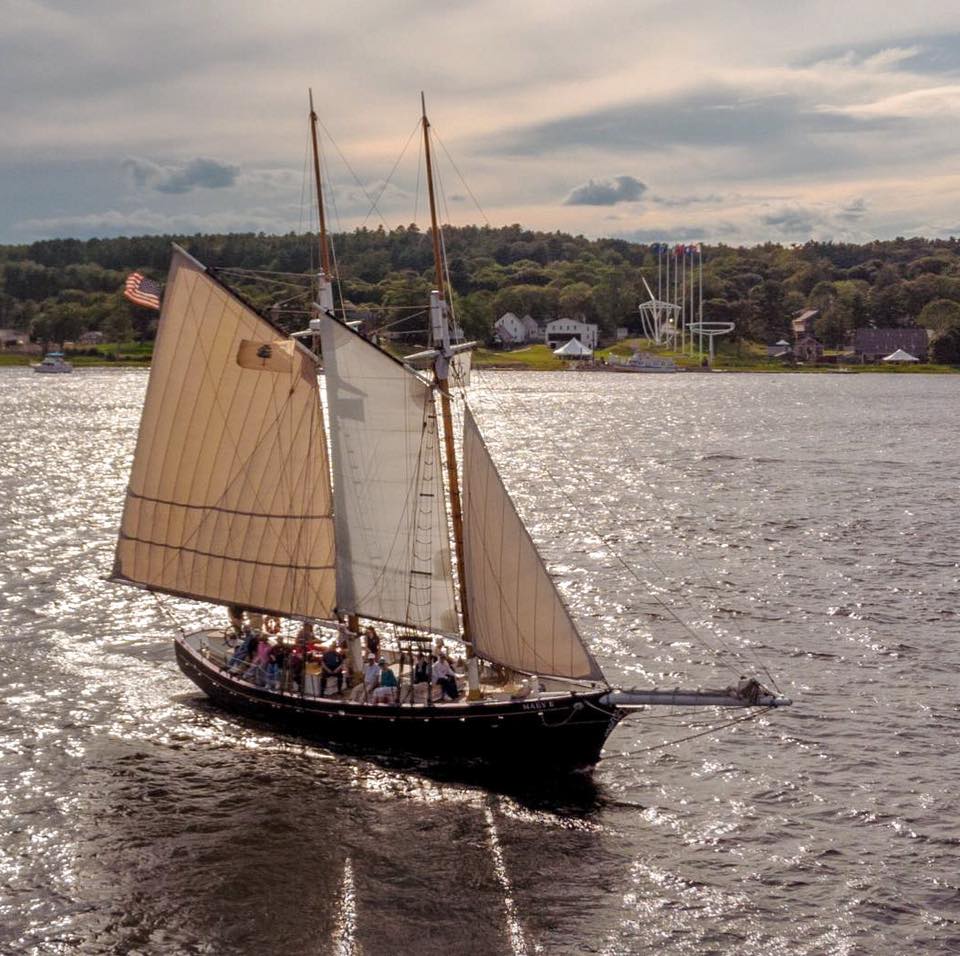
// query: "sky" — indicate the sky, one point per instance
point(732, 121)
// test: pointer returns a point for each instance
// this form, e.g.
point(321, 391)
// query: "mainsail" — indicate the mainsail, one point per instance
point(393, 546)
point(229, 498)
point(517, 617)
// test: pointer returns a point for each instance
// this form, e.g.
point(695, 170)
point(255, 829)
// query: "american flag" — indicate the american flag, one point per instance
point(143, 291)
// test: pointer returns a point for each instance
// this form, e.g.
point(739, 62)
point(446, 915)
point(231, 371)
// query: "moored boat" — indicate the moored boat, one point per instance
point(53, 363)
point(642, 362)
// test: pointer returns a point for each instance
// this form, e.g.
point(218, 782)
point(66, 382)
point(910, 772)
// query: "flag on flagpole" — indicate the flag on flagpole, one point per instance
point(142, 291)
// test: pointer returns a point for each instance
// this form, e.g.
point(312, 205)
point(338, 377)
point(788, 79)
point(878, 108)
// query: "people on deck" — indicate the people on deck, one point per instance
point(445, 677)
point(275, 662)
point(373, 641)
point(295, 666)
point(421, 670)
point(257, 670)
point(371, 676)
point(305, 635)
point(245, 649)
point(386, 692)
point(331, 665)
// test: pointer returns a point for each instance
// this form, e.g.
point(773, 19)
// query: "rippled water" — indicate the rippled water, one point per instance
point(701, 526)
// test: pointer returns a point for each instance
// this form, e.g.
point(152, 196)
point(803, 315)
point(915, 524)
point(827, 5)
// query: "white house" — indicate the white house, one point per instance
point(534, 332)
point(509, 330)
point(562, 330)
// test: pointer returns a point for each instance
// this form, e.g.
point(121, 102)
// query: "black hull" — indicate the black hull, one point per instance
point(552, 734)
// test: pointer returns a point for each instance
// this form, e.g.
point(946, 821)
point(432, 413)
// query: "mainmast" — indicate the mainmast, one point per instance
point(324, 297)
point(439, 322)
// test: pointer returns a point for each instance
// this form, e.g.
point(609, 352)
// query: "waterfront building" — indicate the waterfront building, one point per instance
point(560, 331)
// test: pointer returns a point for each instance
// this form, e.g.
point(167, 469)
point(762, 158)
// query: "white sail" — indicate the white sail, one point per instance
point(393, 546)
point(229, 497)
point(517, 617)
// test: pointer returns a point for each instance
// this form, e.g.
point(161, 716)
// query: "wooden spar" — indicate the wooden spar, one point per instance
point(324, 245)
point(435, 230)
point(442, 372)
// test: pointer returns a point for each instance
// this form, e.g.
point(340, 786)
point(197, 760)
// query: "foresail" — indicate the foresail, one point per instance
point(517, 617)
point(393, 545)
point(229, 497)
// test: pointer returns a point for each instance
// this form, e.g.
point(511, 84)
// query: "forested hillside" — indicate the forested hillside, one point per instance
point(60, 288)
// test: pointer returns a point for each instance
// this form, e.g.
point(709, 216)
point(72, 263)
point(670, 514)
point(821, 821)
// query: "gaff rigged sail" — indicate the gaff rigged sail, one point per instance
point(393, 539)
point(229, 498)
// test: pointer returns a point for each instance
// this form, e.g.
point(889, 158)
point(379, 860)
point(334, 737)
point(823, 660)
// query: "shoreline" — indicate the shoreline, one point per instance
point(17, 360)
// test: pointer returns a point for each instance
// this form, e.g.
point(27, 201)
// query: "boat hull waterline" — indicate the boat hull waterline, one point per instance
point(563, 732)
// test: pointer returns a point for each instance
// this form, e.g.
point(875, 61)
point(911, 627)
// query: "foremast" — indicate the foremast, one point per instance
point(324, 292)
point(439, 322)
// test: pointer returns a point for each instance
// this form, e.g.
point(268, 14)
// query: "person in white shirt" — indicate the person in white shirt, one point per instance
point(446, 678)
point(371, 675)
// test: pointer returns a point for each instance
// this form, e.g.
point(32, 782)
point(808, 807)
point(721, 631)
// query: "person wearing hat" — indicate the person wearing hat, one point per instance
point(371, 675)
point(386, 692)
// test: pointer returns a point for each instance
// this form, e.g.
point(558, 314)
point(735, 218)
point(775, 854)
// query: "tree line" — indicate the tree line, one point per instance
point(59, 288)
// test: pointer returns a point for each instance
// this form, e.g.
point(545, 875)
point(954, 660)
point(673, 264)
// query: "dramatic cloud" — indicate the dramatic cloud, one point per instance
point(749, 120)
point(704, 118)
point(606, 192)
point(182, 177)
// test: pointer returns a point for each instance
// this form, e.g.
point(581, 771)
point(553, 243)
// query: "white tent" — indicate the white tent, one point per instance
point(573, 349)
point(901, 356)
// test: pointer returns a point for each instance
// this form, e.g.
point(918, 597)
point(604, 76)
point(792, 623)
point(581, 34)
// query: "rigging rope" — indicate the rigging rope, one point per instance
point(703, 733)
point(615, 554)
point(462, 180)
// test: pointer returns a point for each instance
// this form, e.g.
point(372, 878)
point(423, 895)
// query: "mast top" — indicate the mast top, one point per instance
point(434, 225)
point(324, 244)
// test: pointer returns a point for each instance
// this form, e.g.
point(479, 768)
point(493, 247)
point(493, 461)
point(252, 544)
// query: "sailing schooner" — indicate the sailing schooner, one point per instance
point(241, 495)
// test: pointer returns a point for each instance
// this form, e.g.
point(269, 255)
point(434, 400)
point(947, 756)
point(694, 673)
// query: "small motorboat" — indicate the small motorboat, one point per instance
point(53, 362)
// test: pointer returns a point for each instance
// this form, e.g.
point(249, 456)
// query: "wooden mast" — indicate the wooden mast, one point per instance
point(442, 373)
point(324, 245)
point(324, 298)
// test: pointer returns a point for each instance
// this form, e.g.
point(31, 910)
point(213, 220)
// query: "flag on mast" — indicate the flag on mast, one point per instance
point(142, 291)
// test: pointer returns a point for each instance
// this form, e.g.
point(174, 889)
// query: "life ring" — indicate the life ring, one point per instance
point(271, 625)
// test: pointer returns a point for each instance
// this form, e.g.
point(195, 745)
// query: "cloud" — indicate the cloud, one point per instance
point(818, 220)
point(853, 211)
point(674, 233)
point(936, 102)
point(137, 222)
point(178, 178)
point(680, 201)
point(938, 53)
point(701, 118)
point(607, 192)
point(793, 220)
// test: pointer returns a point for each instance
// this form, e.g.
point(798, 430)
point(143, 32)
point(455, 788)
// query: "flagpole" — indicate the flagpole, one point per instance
point(659, 288)
point(700, 254)
point(666, 259)
point(676, 291)
point(683, 284)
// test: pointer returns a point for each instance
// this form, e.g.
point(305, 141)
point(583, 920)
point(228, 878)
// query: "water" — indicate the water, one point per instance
point(701, 526)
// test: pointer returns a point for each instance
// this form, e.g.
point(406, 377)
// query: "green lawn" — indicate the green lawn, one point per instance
point(731, 356)
point(532, 357)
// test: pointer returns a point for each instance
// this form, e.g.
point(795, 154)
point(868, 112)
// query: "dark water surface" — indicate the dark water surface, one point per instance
point(806, 524)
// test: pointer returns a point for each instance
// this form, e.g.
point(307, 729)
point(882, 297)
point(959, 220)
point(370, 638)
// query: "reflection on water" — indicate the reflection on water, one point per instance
point(805, 524)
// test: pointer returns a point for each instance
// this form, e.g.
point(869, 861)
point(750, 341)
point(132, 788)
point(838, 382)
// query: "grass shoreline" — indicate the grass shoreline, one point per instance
point(740, 357)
